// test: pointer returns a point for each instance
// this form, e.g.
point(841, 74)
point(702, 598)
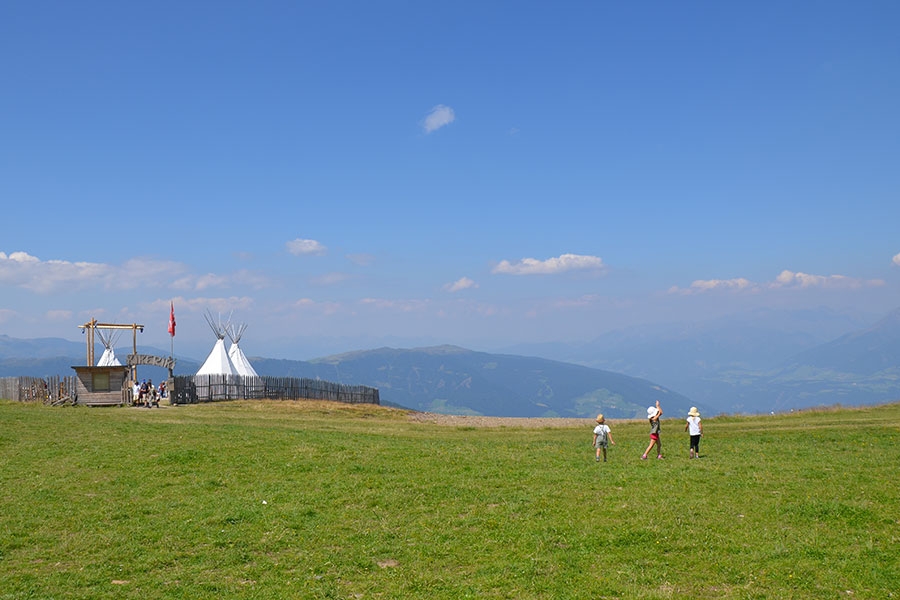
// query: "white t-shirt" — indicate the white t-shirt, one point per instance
point(693, 425)
point(601, 432)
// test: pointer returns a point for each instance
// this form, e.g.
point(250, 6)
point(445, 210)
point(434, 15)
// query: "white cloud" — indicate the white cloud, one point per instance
point(896, 259)
point(22, 270)
point(439, 116)
point(19, 257)
point(789, 279)
point(301, 247)
point(151, 278)
point(699, 286)
point(551, 266)
point(463, 283)
point(785, 280)
point(31, 273)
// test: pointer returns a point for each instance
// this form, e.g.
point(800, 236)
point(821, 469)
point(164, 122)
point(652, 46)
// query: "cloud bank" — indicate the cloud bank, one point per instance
point(23, 270)
point(20, 269)
point(551, 266)
point(785, 280)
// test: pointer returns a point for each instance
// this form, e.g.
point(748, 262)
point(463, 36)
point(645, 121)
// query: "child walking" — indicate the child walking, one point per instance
point(602, 437)
point(653, 414)
point(695, 428)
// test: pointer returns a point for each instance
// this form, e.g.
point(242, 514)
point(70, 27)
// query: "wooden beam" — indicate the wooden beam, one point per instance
point(94, 324)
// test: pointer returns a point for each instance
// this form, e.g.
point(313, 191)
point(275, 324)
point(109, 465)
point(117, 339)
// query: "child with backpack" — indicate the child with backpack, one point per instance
point(602, 437)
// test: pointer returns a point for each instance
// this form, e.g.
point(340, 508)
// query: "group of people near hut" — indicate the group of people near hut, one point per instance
point(146, 395)
point(603, 434)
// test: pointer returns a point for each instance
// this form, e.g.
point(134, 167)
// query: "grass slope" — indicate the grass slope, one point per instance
point(296, 500)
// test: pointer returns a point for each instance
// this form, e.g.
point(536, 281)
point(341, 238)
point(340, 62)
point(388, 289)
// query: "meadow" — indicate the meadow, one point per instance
point(315, 500)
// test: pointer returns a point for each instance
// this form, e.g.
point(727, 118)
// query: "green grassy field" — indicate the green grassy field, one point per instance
point(297, 500)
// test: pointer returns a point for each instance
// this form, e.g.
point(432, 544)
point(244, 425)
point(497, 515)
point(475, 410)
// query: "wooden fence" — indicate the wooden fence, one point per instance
point(54, 390)
point(192, 389)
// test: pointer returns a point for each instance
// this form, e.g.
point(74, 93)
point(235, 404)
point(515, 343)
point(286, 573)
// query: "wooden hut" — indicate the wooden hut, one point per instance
point(102, 386)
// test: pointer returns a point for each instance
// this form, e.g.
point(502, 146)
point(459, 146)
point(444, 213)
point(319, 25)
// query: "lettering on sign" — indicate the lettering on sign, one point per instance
point(152, 361)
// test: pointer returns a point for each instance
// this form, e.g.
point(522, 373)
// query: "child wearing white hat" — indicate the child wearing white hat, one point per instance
point(653, 414)
point(695, 428)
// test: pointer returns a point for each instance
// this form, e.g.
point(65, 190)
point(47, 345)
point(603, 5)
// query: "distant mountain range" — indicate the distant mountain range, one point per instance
point(758, 362)
point(761, 362)
point(449, 379)
point(864, 353)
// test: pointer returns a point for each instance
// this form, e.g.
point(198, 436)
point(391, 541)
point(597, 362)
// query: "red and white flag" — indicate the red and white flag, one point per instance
point(172, 319)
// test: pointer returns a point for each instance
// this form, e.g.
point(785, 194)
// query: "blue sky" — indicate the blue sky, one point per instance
point(343, 175)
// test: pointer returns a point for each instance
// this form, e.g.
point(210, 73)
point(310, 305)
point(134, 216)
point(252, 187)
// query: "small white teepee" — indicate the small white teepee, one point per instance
point(218, 362)
point(108, 359)
point(237, 356)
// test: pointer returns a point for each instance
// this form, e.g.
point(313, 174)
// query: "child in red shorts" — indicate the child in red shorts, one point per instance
point(653, 414)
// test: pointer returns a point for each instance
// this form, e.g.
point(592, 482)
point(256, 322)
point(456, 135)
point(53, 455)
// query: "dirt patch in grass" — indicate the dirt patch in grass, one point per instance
point(489, 422)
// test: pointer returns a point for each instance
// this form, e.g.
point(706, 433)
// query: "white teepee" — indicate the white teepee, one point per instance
point(238, 359)
point(108, 359)
point(218, 362)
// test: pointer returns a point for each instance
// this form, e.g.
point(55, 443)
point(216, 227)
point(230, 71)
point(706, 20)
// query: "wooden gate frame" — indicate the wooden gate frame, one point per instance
point(94, 324)
point(166, 362)
point(150, 360)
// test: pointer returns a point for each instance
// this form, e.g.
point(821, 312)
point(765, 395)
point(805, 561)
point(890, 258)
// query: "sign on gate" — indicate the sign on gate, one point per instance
point(153, 361)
